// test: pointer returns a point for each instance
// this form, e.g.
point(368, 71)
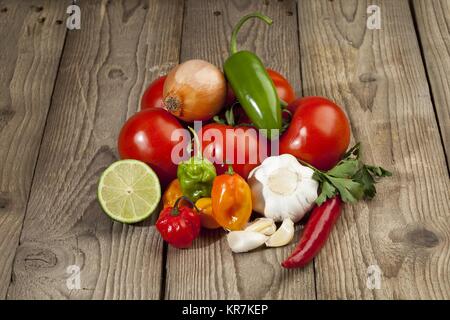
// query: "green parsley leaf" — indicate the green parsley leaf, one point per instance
point(378, 171)
point(345, 169)
point(319, 176)
point(350, 178)
point(349, 190)
point(328, 191)
point(364, 177)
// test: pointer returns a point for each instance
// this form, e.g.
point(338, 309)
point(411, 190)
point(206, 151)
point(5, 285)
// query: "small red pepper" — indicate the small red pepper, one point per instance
point(316, 233)
point(179, 225)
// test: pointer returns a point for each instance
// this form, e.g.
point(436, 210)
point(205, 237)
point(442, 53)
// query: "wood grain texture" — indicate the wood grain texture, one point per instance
point(433, 22)
point(379, 78)
point(121, 47)
point(209, 270)
point(32, 39)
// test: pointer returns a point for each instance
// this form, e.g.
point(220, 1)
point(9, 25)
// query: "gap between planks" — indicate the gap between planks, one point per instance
point(441, 122)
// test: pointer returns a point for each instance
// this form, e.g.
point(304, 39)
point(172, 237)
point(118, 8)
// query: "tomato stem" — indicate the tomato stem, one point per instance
point(229, 116)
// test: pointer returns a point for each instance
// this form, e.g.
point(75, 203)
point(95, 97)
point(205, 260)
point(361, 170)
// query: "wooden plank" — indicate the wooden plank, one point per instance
point(379, 78)
point(209, 270)
point(32, 37)
point(433, 21)
point(105, 67)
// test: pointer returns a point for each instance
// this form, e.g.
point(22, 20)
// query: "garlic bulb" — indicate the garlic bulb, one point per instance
point(282, 188)
point(243, 241)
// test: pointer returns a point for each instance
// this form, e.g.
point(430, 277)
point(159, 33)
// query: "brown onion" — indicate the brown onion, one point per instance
point(194, 90)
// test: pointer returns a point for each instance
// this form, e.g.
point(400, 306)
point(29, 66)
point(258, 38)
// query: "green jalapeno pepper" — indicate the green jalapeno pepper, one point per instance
point(196, 175)
point(252, 84)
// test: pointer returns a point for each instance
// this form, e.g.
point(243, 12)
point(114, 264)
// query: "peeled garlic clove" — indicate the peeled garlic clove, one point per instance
point(269, 230)
point(283, 235)
point(243, 241)
point(262, 225)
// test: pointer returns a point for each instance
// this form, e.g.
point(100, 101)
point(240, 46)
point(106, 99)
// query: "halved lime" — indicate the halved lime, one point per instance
point(129, 191)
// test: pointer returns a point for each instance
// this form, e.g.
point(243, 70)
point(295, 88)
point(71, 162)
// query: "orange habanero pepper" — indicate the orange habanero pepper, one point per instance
point(172, 193)
point(204, 206)
point(231, 200)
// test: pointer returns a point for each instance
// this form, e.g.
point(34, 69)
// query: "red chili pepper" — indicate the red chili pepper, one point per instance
point(179, 225)
point(316, 233)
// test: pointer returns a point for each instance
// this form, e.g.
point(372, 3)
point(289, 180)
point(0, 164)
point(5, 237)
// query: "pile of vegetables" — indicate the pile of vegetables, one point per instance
point(311, 175)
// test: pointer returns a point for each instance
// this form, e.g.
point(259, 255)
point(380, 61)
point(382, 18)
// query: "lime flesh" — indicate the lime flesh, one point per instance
point(129, 191)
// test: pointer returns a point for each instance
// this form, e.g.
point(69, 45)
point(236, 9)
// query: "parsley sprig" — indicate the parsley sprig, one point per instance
point(351, 178)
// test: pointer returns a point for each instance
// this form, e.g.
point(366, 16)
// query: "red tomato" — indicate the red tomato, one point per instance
point(146, 136)
point(284, 89)
point(153, 95)
point(231, 97)
point(319, 132)
point(244, 147)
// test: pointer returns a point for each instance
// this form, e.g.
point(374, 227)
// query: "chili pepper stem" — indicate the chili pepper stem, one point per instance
point(283, 104)
point(233, 45)
point(175, 210)
point(230, 170)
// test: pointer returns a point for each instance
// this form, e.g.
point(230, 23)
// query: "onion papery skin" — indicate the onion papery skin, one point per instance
point(195, 90)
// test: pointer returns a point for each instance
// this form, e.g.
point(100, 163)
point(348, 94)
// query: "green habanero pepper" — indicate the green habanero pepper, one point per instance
point(196, 174)
point(252, 84)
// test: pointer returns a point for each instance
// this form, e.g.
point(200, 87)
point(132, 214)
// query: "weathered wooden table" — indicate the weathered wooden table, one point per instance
point(64, 95)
